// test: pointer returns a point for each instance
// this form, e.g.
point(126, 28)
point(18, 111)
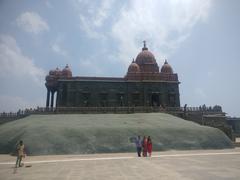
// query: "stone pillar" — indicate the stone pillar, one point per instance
point(57, 98)
point(52, 98)
point(48, 96)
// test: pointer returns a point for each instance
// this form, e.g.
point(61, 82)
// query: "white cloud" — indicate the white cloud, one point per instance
point(164, 24)
point(22, 82)
point(92, 15)
point(32, 22)
point(57, 46)
point(102, 12)
point(88, 28)
point(14, 64)
point(57, 49)
point(90, 67)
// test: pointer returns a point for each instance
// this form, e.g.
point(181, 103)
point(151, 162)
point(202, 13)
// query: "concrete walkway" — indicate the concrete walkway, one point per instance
point(204, 164)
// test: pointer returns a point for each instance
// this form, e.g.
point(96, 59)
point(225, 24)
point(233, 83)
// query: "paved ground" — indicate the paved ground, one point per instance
point(204, 164)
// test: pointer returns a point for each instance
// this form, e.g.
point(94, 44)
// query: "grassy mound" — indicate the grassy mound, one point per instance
point(101, 133)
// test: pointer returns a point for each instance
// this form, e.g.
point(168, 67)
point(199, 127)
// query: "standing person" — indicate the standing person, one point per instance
point(149, 146)
point(138, 143)
point(144, 145)
point(20, 153)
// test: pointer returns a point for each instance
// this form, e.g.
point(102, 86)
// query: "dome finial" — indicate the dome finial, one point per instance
point(133, 60)
point(165, 61)
point(144, 45)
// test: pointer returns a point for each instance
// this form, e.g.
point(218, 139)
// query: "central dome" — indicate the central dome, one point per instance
point(146, 61)
point(145, 57)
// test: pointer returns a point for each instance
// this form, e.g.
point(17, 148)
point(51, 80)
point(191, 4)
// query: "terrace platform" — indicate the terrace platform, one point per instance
point(197, 164)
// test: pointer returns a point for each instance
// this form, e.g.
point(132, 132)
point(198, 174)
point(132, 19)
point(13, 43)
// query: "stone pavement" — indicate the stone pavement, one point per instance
point(196, 164)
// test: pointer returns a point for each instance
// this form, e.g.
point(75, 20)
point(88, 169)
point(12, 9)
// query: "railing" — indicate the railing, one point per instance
point(202, 109)
point(10, 114)
point(124, 109)
point(60, 110)
point(137, 109)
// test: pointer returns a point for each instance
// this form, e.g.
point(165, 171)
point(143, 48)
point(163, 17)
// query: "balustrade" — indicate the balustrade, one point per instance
point(122, 109)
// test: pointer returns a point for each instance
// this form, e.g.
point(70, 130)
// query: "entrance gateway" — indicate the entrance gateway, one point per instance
point(155, 99)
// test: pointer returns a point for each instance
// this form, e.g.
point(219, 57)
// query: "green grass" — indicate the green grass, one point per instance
point(102, 133)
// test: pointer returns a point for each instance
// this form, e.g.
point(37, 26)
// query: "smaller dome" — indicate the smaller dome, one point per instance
point(58, 72)
point(133, 67)
point(57, 69)
point(55, 72)
point(52, 72)
point(166, 68)
point(66, 72)
point(49, 78)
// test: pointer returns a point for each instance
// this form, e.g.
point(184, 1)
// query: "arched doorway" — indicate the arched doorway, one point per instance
point(155, 100)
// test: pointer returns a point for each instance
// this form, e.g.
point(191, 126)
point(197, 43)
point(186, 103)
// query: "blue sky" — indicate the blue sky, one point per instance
point(200, 39)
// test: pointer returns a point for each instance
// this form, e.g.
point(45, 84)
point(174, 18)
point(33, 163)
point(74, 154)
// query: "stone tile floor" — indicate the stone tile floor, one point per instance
point(196, 164)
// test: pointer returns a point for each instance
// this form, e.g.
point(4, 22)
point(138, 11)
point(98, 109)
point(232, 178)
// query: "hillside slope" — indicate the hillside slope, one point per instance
point(101, 133)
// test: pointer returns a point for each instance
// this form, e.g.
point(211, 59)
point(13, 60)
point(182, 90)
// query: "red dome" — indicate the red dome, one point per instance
point(145, 57)
point(133, 68)
point(50, 78)
point(52, 72)
point(58, 72)
point(166, 68)
point(66, 72)
point(147, 61)
point(55, 72)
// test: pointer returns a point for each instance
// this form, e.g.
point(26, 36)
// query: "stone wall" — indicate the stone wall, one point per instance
point(235, 124)
point(117, 93)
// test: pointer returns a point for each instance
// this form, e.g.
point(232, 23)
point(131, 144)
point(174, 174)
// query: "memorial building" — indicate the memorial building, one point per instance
point(143, 85)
